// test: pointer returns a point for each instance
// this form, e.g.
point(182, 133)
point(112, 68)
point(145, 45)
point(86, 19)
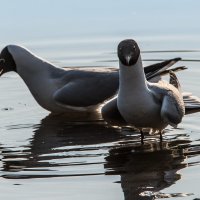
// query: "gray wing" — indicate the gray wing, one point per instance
point(91, 86)
point(87, 88)
point(172, 111)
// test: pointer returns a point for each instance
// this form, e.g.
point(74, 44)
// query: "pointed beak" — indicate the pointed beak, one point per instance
point(128, 58)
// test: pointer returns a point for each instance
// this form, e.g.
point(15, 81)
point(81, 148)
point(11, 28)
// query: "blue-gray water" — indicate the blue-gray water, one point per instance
point(46, 157)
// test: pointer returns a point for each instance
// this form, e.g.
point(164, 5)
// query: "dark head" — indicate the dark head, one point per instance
point(7, 62)
point(128, 52)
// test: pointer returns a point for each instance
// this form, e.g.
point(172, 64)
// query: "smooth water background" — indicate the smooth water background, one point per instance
point(46, 157)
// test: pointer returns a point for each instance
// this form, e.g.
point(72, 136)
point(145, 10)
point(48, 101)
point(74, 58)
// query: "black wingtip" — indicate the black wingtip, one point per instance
point(177, 59)
point(192, 110)
point(160, 65)
point(183, 68)
point(176, 69)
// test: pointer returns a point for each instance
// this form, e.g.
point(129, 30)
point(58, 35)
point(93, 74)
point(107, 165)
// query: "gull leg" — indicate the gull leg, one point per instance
point(161, 137)
point(142, 136)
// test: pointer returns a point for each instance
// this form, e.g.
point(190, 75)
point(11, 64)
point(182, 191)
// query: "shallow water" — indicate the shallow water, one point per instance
point(47, 157)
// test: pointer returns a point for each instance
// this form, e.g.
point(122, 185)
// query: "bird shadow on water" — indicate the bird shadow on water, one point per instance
point(60, 148)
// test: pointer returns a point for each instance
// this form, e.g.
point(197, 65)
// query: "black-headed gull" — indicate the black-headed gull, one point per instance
point(144, 104)
point(62, 90)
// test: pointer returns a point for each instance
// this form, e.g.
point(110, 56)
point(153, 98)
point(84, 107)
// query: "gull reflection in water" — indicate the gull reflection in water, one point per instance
point(61, 148)
point(147, 169)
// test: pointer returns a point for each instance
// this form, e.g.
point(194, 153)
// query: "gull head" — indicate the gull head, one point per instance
point(7, 62)
point(128, 52)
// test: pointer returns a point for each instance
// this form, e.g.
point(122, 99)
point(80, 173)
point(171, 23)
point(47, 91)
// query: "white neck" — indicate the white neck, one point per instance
point(37, 74)
point(27, 63)
point(132, 78)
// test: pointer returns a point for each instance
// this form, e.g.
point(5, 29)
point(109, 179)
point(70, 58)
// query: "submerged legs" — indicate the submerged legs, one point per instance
point(142, 136)
point(161, 138)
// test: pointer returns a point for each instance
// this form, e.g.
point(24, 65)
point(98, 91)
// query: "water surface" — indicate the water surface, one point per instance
point(47, 157)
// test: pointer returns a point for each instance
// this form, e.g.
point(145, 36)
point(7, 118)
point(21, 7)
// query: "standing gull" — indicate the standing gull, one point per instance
point(72, 89)
point(144, 104)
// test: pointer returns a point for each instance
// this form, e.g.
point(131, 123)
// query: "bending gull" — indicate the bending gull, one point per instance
point(72, 89)
point(144, 104)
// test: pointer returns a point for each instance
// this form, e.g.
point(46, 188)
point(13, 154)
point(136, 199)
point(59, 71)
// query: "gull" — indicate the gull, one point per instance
point(143, 104)
point(60, 90)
